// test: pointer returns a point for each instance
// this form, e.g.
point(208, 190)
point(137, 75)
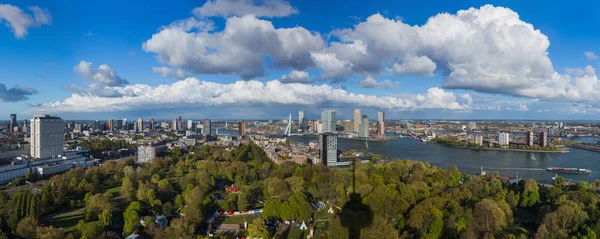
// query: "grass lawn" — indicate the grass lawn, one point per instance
point(323, 215)
point(239, 219)
point(67, 219)
point(296, 233)
point(114, 190)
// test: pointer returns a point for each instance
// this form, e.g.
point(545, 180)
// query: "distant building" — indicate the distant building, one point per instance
point(146, 154)
point(242, 128)
point(301, 120)
point(191, 125)
point(206, 127)
point(479, 140)
point(329, 121)
point(363, 128)
point(97, 125)
point(151, 123)
point(503, 139)
point(179, 123)
point(560, 125)
point(12, 123)
point(543, 139)
point(174, 124)
point(529, 138)
point(472, 125)
point(381, 123)
point(140, 125)
point(47, 136)
point(110, 125)
point(357, 119)
point(328, 148)
point(25, 128)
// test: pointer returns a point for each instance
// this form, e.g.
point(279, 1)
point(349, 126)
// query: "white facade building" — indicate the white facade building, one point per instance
point(47, 139)
point(363, 127)
point(503, 139)
point(329, 121)
point(146, 154)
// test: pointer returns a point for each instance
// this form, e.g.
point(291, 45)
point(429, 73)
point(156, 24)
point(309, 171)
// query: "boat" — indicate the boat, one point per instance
point(569, 170)
point(512, 179)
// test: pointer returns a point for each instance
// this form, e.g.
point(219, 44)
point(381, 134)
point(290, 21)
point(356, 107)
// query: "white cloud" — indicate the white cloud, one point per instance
point(15, 94)
point(192, 92)
point(170, 73)
point(192, 24)
point(259, 8)
point(295, 77)
point(369, 82)
point(102, 75)
point(420, 66)
point(20, 22)
point(237, 50)
point(591, 56)
point(522, 107)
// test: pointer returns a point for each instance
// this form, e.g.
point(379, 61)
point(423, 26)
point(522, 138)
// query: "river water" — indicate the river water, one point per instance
point(507, 163)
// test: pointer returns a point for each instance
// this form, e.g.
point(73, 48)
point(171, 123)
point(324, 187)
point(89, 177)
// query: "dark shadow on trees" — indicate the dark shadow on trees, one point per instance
point(355, 215)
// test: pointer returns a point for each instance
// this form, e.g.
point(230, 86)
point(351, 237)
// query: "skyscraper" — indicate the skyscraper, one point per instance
point(174, 125)
point(96, 125)
point(151, 123)
point(503, 139)
point(140, 125)
point(328, 148)
point(363, 127)
point(242, 128)
point(110, 125)
point(301, 121)
point(543, 140)
point(12, 123)
point(329, 121)
point(381, 123)
point(191, 125)
point(529, 138)
point(356, 119)
point(47, 138)
point(179, 123)
point(206, 127)
point(25, 127)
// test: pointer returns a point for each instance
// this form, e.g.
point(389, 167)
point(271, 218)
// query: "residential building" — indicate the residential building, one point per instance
point(329, 121)
point(242, 128)
point(363, 127)
point(381, 123)
point(47, 136)
point(472, 125)
point(140, 125)
point(191, 125)
point(357, 119)
point(146, 154)
point(12, 123)
point(110, 125)
point(503, 139)
point(479, 140)
point(543, 139)
point(174, 125)
point(529, 138)
point(328, 148)
point(206, 127)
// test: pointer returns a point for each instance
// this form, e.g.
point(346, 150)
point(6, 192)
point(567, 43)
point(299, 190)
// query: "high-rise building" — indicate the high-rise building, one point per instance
point(140, 125)
point(242, 128)
point(328, 148)
point(125, 125)
point(503, 139)
point(543, 140)
point(110, 125)
point(363, 127)
point(47, 136)
point(329, 121)
point(146, 154)
point(381, 122)
point(560, 125)
point(96, 125)
point(206, 127)
point(472, 125)
point(174, 125)
point(179, 123)
point(25, 128)
point(12, 123)
point(356, 119)
point(529, 138)
point(302, 122)
point(479, 140)
point(192, 126)
point(151, 123)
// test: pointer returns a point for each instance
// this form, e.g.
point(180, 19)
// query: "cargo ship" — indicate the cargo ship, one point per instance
point(570, 170)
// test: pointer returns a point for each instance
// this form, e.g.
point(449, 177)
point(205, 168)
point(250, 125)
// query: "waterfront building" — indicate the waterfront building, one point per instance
point(363, 128)
point(206, 127)
point(47, 136)
point(472, 125)
point(329, 121)
point(381, 123)
point(503, 139)
point(328, 148)
point(110, 125)
point(357, 119)
point(529, 138)
point(479, 140)
point(543, 139)
point(12, 123)
point(242, 128)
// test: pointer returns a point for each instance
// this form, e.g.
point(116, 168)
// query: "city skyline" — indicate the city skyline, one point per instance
point(538, 67)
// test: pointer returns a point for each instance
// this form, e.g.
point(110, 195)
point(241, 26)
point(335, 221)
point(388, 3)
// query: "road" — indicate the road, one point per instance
point(13, 190)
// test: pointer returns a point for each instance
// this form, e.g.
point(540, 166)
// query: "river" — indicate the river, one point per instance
point(508, 163)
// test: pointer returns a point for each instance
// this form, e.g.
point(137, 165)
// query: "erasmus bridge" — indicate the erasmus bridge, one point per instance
point(288, 129)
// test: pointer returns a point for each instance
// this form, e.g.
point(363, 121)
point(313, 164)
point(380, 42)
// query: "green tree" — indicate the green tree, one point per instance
point(488, 217)
point(132, 218)
point(179, 229)
point(257, 229)
point(27, 227)
point(530, 195)
point(49, 233)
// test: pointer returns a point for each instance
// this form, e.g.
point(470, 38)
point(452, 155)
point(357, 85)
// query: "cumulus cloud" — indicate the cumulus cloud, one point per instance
point(34, 105)
point(20, 22)
point(237, 50)
point(170, 73)
point(192, 92)
point(295, 77)
point(15, 94)
point(591, 56)
point(259, 8)
point(102, 75)
point(369, 82)
point(415, 65)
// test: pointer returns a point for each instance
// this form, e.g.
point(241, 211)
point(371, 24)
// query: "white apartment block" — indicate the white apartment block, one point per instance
point(47, 136)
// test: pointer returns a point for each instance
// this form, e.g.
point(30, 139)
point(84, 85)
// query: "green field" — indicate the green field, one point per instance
point(67, 219)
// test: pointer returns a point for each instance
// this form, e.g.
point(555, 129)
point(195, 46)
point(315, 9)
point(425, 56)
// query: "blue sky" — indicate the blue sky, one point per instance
point(265, 59)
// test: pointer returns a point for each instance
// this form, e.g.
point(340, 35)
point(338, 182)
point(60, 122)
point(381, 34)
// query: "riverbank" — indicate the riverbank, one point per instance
point(509, 149)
